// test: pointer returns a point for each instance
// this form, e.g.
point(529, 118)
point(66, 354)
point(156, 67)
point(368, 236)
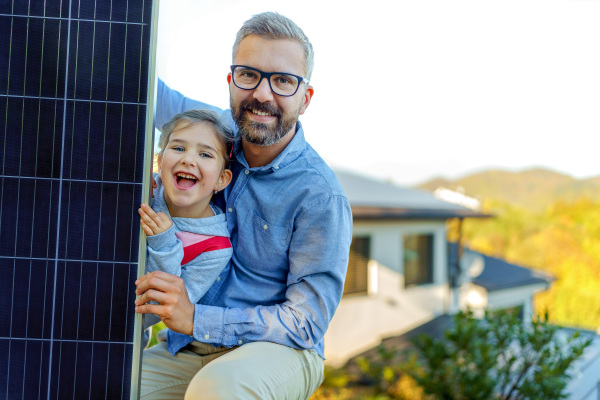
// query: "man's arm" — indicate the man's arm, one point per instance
point(314, 289)
point(170, 103)
point(318, 257)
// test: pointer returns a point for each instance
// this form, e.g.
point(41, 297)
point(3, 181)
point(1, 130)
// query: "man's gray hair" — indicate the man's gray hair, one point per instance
point(270, 25)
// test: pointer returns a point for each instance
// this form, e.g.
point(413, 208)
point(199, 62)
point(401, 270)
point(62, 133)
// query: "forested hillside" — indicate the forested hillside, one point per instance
point(559, 234)
point(534, 189)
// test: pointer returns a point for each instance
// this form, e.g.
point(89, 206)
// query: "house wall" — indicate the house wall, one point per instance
point(585, 381)
point(361, 321)
point(521, 296)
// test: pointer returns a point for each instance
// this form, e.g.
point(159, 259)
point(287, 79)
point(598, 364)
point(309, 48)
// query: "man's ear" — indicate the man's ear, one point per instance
point(224, 179)
point(229, 78)
point(308, 94)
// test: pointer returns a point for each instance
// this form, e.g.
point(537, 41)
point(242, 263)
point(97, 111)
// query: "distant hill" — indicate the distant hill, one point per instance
point(532, 188)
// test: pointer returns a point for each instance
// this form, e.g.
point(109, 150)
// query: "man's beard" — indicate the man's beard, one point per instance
point(256, 132)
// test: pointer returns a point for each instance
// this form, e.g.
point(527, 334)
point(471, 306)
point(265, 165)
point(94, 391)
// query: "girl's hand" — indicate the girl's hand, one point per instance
point(152, 222)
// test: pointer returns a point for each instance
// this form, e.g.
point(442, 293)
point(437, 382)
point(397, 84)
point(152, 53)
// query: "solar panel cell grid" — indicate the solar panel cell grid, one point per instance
point(119, 78)
point(49, 9)
point(103, 149)
point(33, 146)
point(73, 87)
point(97, 221)
point(36, 56)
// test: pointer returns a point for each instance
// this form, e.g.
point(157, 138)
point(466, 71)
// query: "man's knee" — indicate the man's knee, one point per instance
point(215, 381)
point(259, 371)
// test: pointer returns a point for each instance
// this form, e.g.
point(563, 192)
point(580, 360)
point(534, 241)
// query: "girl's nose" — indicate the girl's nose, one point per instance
point(188, 159)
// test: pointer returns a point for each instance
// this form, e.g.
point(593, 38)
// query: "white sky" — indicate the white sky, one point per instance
point(410, 90)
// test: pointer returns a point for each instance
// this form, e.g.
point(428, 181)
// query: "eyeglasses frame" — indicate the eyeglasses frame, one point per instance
point(268, 75)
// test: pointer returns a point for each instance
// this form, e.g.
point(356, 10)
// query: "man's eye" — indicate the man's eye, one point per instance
point(248, 75)
point(283, 80)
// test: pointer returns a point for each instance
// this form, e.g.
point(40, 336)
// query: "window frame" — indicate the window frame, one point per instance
point(358, 269)
point(421, 279)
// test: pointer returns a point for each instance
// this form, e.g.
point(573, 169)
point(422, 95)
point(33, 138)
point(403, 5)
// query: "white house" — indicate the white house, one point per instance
point(399, 271)
point(405, 278)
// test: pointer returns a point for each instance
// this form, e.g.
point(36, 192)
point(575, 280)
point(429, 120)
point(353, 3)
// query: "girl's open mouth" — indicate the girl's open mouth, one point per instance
point(184, 180)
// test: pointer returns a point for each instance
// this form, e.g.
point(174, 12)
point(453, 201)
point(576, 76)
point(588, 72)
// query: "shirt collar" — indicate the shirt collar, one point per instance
point(291, 152)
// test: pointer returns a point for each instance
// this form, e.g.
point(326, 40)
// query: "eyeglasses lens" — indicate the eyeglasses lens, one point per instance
point(281, 84)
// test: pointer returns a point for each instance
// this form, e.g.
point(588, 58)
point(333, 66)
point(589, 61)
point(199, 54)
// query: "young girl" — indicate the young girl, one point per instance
point(187, 234)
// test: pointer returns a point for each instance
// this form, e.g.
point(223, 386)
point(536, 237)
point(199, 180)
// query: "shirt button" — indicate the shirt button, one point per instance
point(206, 336)
point(246, 172)
point(240, 341)
point(230, 209)
point(218, 278)
point(276, 167)
point(265, 227)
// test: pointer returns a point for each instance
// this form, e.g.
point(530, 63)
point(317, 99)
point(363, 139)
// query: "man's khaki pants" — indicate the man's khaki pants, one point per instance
point(259, 370)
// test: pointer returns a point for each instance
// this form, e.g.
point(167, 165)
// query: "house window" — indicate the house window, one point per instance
point(418, 259)
point(357, 275)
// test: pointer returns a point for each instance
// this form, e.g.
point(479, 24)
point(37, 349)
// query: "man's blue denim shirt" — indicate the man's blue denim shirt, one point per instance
point(291, 228)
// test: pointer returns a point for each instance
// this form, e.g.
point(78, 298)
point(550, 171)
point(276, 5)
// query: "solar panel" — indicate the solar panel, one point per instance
point(74, 153)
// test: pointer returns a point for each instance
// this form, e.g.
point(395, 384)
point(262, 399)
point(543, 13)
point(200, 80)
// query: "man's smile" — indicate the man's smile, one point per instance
point(261, 113)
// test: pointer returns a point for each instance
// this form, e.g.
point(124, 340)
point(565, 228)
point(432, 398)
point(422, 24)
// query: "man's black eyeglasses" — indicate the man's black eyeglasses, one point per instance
point(281, 83)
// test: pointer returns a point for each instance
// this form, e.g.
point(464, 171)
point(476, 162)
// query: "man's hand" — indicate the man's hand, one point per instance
point(174, 306)
point(152, 222)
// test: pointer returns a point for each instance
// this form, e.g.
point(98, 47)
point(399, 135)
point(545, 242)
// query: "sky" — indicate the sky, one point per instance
point(411, 90)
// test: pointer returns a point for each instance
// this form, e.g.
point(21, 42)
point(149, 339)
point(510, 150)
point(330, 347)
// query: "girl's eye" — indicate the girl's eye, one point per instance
point(178, 148)
point(206, 155)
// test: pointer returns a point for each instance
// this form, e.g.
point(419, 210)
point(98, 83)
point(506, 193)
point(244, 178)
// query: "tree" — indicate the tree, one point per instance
point(497, 357)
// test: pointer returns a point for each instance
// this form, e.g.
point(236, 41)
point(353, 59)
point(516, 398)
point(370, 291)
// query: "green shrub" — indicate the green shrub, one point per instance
point(497, 357)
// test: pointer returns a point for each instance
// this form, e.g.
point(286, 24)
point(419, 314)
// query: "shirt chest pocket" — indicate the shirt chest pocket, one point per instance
point(262, 245)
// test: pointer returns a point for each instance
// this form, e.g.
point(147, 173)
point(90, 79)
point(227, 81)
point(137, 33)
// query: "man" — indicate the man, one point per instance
point(258, 332)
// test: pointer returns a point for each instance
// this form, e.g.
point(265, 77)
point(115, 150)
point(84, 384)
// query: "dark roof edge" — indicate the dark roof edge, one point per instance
point(531, 282)
point(361, 212)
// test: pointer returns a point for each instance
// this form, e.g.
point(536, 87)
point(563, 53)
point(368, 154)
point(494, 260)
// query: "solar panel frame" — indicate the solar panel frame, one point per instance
point(70, 242)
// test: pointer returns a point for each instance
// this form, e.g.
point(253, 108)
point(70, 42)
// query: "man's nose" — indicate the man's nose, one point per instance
point(263, 91)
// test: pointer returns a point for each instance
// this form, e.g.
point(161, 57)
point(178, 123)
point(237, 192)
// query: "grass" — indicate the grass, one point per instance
point(155, 329)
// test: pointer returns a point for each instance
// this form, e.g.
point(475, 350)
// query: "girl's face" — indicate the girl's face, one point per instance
point(191, 169)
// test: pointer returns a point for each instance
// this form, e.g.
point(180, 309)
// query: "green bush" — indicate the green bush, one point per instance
point(497, 357)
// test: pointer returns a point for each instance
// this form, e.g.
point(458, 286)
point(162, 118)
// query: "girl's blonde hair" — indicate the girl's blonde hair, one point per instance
point(192, 117)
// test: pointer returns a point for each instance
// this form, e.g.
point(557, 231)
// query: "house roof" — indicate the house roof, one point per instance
point(498, 274)
point(373, 199)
